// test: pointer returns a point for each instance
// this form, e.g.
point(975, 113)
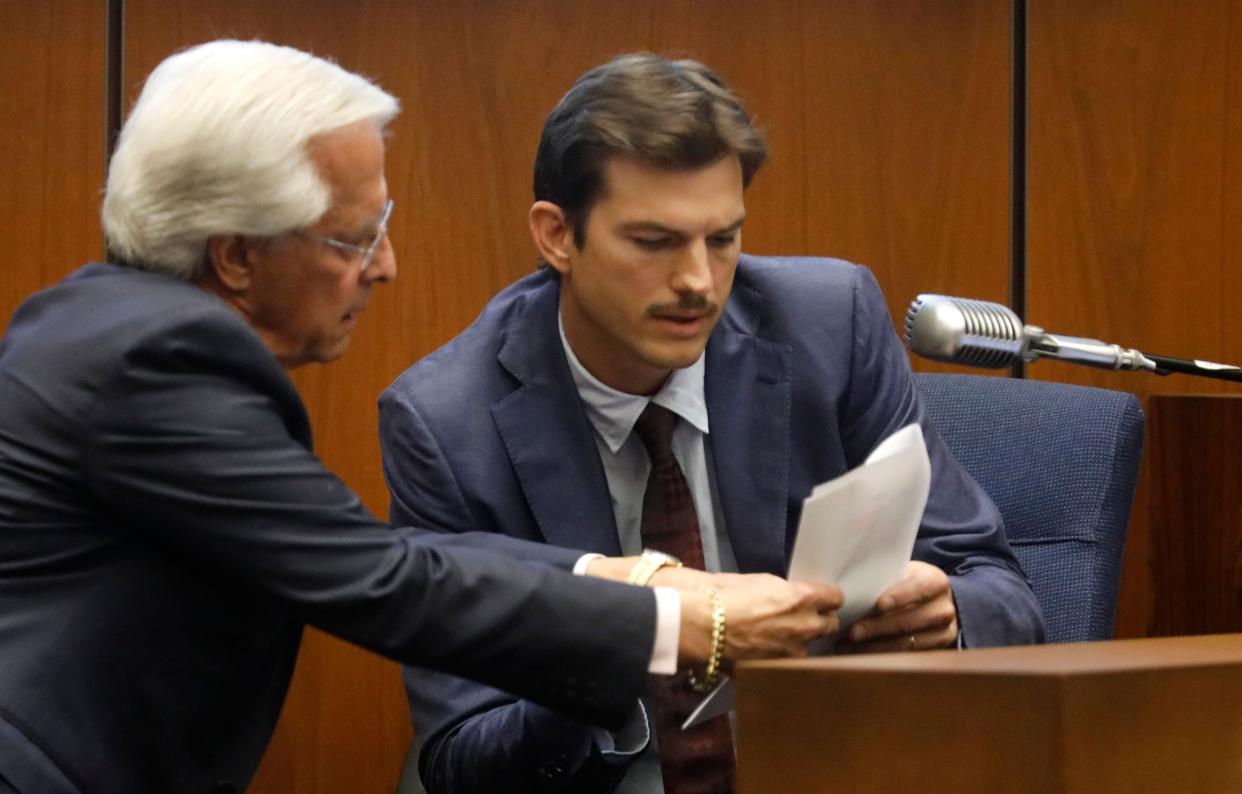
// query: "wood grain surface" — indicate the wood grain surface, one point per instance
point(1139, 715)
point(51, 142)
point(1134, 205)
point(1195, 517)
point(1135, 161)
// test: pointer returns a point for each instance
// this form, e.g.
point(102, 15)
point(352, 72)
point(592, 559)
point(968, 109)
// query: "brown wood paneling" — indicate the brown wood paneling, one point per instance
point(890, 147)
point(889, 129)
point(1134, 167)
point(51, 142)
point(1195, 514)
point(1135, 214)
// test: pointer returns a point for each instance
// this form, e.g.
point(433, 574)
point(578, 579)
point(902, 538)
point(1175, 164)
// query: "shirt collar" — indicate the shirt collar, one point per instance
point(613, 413)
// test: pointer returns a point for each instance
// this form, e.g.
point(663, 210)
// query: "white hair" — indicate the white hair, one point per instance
point(216, 144)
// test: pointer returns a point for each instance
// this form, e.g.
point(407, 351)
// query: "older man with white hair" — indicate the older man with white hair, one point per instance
point(166, 530)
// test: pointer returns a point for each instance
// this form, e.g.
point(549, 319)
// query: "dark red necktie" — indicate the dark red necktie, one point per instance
point(699, 760)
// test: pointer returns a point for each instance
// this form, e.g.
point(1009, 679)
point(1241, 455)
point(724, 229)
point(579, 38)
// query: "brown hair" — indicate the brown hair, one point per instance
point(669, 114)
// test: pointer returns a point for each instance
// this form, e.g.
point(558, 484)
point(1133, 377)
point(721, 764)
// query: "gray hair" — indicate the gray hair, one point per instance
point(216, 144)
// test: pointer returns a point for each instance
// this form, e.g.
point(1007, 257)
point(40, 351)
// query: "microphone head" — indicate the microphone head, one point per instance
point(963, 331)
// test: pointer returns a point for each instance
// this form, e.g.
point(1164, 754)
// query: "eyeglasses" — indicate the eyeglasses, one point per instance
point(368, 252)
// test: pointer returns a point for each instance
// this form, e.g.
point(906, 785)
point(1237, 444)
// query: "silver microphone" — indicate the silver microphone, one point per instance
point(984, 334)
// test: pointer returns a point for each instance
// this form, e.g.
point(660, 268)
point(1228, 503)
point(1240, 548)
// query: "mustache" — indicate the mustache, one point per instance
point(685, 303)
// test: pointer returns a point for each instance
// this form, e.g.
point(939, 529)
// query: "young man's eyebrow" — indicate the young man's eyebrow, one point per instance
point(653, 226)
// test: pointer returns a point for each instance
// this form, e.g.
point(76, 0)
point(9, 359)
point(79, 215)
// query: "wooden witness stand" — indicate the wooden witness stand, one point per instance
point(1131, 715)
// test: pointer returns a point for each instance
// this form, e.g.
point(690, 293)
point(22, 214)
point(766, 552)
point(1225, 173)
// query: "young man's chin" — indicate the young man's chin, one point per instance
point(676, 356)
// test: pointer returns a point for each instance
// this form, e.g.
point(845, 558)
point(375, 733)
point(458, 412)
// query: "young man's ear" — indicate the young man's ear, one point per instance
point(229, 261)
point(553, 235)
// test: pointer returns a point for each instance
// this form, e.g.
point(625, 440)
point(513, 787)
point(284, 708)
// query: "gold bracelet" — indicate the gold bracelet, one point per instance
point(711, 675)
point(647, 565)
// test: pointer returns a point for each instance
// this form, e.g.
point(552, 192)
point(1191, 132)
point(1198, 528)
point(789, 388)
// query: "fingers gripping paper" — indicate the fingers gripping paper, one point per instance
point(856, 532)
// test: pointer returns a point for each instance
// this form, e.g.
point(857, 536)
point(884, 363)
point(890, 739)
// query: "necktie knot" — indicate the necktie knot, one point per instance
point(655, 429)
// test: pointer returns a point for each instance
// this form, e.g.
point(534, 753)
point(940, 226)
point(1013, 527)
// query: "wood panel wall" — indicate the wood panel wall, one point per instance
point(889, 127)
point(51, 142)
point(1135, 205)
point(1195, 519)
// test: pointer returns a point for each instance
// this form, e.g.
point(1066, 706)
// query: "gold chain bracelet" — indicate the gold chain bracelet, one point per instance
point(712, 674)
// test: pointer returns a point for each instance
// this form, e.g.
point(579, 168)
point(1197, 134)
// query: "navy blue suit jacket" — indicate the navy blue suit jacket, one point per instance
point(166, 531)
point(804, 377)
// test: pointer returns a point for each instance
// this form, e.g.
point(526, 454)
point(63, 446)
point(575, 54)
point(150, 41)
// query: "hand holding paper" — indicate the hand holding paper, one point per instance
point(917, 614)
point(857, 532)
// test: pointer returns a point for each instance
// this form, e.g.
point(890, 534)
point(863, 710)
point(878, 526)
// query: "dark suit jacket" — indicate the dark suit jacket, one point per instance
point(166, 531)
point(804, 377)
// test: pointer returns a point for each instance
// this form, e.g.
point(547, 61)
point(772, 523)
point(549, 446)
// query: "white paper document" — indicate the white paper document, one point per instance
point(856, 532)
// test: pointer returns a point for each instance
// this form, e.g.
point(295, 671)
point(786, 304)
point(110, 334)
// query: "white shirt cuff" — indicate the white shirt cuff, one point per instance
point(668, 631)
point(668, 623)
point(581, 565)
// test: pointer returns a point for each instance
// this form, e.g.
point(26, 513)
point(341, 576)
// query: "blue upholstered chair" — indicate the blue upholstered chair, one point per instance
point(1060, 462)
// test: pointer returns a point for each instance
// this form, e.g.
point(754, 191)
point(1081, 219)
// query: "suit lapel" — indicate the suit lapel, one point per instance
point(748, 390)
point(549, 439)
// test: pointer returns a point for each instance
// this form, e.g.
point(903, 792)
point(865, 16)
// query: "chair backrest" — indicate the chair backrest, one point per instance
point(1061, 463)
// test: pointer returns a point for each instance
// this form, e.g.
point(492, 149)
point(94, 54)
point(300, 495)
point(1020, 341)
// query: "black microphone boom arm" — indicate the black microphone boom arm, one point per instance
point(1166, 365)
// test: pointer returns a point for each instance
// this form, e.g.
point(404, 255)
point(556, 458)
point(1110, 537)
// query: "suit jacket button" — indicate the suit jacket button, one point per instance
point(553, 767)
